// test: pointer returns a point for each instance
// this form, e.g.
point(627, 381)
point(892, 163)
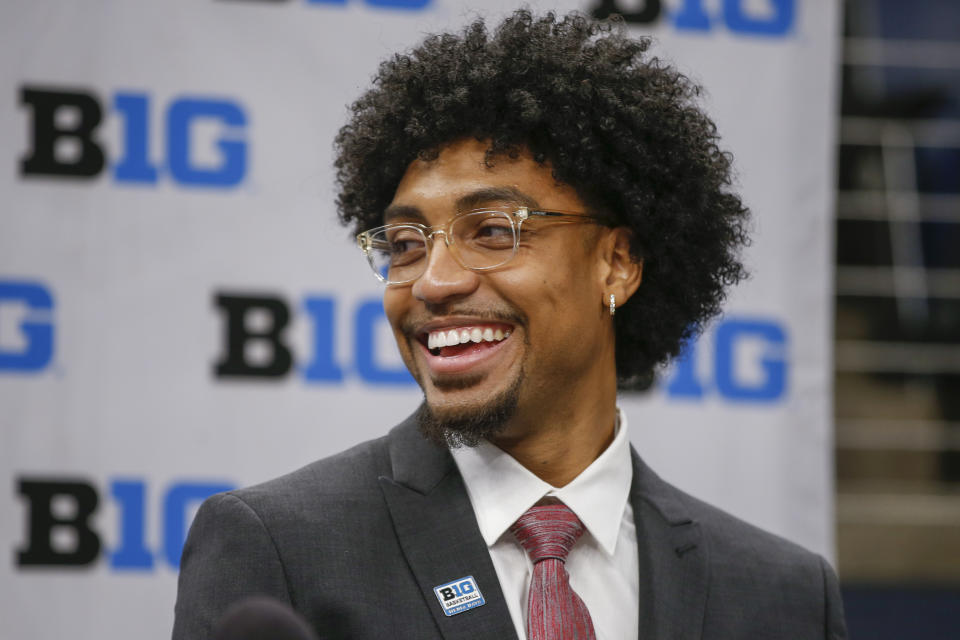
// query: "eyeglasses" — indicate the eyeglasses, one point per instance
point(478, 240)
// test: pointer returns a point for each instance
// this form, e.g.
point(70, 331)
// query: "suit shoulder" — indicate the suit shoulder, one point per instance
point(754, 571)
point(349, 476)
point(752, 564)
point(729, 533)
point(726, 534)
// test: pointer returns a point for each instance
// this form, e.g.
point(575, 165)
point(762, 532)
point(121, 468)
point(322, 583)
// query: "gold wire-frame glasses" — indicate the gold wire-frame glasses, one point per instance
point(478, 240)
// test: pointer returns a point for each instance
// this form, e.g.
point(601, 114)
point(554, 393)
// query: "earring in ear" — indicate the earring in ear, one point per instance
point(613, 304)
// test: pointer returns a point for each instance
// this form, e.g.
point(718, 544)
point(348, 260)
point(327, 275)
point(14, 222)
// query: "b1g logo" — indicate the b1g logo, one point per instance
point(747, 364)
point(259, 323)
point(740, 359)
point(459, 596)
point(772, 18)
point(26, 326)
point(60, 534)
point(64, 140)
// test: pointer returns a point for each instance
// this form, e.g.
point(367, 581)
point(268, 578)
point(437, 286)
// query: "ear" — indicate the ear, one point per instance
point(620, 273)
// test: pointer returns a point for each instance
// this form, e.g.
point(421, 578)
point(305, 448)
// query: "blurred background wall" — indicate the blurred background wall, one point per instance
point(897, 351)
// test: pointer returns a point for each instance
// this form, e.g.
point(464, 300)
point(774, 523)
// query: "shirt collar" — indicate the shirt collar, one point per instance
point(501, 489)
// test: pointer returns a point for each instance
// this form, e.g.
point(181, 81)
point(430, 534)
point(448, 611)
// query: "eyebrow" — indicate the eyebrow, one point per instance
point(489, 195)
point(474, 200)
point(404, 212)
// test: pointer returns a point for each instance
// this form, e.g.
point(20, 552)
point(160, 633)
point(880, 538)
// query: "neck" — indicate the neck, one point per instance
point(557, 444)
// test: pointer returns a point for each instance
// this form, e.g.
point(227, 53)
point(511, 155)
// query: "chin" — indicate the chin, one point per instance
point(456, 423)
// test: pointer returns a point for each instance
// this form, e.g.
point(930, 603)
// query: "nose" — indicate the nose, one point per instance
point(444, 280)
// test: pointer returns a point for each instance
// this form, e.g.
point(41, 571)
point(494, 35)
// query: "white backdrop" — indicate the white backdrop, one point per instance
point(209, 175)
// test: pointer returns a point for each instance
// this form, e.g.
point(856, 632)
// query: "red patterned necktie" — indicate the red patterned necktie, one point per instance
point(555, 611)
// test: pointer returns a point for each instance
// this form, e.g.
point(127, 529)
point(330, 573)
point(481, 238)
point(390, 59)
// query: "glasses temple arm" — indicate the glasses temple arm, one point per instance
point(558, 214)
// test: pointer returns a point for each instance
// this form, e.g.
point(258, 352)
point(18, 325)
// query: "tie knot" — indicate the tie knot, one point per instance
point(547, 531)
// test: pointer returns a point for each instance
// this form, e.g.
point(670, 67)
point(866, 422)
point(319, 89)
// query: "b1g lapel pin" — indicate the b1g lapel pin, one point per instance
point(460, 595)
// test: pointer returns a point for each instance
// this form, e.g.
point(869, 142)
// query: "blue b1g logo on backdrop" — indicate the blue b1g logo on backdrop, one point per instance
point(63, 140)
point(770, 18)
point(26, 326)
point(748, 363)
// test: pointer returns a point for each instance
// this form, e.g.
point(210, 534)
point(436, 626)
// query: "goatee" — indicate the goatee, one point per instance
point(467, 427)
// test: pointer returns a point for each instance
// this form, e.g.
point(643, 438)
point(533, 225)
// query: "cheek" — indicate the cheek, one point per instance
point(559, 302)
point(394, 306)
point(574, 299)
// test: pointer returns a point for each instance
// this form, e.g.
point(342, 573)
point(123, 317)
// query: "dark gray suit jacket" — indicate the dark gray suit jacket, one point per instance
point(357, 542)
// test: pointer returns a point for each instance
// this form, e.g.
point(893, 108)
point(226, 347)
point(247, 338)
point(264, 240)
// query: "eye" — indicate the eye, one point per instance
point(494, 228)
point(399, 246)
point(492, 233)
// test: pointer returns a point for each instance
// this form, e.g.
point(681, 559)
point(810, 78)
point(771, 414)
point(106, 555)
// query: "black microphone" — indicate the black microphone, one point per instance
point(262, 618)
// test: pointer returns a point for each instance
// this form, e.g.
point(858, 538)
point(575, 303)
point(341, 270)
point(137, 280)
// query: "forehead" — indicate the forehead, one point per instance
point(460, 179)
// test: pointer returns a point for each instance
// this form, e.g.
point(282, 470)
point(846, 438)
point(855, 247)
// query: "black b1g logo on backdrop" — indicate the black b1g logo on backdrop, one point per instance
point(60, 531)
point(242, 334)
point(64, 142)
point(776, 19)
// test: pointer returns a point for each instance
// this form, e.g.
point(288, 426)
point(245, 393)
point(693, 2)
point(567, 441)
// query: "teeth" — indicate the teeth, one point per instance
point(453, 337)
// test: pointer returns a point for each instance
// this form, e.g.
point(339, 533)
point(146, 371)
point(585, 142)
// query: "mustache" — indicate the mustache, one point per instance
point(505, 315)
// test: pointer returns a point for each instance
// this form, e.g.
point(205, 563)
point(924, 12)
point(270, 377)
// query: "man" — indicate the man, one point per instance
point(550, 215)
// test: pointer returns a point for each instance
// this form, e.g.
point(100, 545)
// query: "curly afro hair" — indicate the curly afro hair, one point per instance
point(620, 127)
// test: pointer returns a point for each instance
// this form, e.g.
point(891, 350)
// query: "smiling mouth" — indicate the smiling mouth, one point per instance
point(457, 341)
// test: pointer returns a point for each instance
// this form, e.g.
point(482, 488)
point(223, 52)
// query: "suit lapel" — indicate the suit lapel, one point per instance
point(438, 532)
point(673, 559)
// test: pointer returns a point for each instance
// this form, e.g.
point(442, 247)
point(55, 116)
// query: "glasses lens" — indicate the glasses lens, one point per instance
point(484, 239)
point(397, 254)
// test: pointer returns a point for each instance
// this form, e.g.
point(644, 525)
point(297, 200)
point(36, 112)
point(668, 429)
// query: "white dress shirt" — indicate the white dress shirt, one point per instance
point(603, 564)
